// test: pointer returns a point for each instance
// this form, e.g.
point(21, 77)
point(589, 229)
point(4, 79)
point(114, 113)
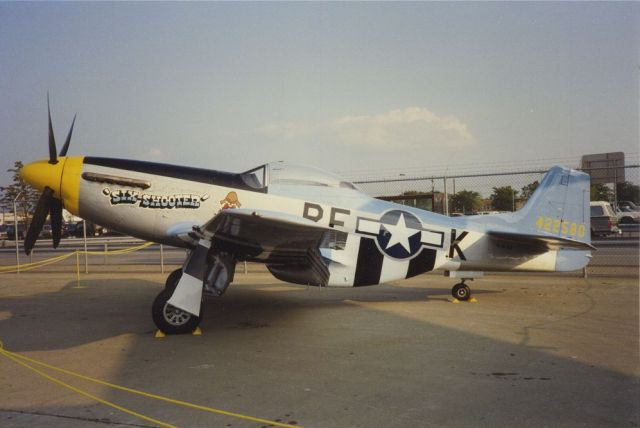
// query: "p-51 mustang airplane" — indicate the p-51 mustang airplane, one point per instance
point(308, 226)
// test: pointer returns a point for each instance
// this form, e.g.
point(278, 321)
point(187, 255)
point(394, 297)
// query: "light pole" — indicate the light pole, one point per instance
point(15, 230)
point(446, 197)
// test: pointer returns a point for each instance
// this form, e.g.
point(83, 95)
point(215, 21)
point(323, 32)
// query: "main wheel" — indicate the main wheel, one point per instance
point(168, 318)
point(461, 291)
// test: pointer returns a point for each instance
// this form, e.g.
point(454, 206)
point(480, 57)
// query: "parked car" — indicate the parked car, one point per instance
point(69, 230)
point(76, 229)
point(3, 231)
point(628, 206)
point(11, 234)
point(46, 232)
point(628, 212)
point(604, 220)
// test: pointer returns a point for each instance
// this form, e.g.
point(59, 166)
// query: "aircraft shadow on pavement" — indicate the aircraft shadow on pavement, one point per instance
point(106, 308)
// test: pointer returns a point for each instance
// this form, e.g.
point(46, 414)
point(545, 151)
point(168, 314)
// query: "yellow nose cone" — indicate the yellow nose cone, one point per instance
point(41, 174)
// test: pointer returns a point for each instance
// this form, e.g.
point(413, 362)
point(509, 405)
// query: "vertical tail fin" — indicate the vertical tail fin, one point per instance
point(559, 207)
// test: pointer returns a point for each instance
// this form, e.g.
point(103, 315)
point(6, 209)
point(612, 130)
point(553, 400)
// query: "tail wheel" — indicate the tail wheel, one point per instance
point(461, 291)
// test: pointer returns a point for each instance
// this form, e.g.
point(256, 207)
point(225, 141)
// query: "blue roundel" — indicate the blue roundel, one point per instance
point(400, 234)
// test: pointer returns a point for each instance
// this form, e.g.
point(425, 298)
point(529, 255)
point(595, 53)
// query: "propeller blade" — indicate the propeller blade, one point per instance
point(63, 152)
point(52, 139)
point(39, 217)
point(56, 221)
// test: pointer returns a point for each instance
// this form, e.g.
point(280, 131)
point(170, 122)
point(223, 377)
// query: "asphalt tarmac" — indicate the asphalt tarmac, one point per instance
point(533, 351)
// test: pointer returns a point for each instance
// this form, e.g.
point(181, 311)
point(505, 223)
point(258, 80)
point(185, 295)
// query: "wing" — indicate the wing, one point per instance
point(540, 241)
point(288, 244)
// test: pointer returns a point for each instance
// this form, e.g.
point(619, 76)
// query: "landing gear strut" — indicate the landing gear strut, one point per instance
point(220, 272)
point(169, 319)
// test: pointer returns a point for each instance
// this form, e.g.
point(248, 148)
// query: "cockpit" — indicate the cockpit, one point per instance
point(290, 174)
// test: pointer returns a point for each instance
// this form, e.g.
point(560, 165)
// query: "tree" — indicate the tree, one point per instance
point(28, 195)
point(503, 198)
point(628, 191)
point(528, 190)
point(466, 201)
point(601, 192)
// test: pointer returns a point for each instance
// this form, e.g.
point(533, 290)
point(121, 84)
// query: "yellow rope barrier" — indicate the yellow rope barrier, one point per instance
point(93, 397)
point(20, 359)
point(16, 358)
point(35, 265)
point(122, 251)
point(46, 262)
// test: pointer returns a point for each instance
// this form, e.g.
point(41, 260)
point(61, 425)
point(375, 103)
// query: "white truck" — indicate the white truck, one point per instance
point(628, 212)
point(604, 220)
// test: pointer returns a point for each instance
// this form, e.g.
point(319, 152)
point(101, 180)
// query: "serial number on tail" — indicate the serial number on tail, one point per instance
point(561, 227)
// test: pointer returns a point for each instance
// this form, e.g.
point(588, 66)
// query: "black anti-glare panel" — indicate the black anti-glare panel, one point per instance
point(208, 176)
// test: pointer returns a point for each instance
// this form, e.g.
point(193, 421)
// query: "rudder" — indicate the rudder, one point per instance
point(559, 206)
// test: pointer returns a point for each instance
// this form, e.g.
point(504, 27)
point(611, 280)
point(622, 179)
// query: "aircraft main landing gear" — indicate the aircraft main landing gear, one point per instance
point(218, 274)
point(169, 319)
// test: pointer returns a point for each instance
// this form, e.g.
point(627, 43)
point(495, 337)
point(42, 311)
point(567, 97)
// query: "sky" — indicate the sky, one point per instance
point(362, 89)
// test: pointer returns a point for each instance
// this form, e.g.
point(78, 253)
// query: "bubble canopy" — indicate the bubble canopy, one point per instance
point(291, 174)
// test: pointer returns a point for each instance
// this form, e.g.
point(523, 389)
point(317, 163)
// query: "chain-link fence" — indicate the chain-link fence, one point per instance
point(428, 191)
point(481, 193)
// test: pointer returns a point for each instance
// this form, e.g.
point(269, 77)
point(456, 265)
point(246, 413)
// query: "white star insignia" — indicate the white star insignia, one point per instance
point(400, 234)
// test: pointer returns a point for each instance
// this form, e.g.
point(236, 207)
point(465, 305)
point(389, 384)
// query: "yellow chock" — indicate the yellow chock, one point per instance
point(197, 332)
point(473, 300)
point(455, 300)
point(159, 334)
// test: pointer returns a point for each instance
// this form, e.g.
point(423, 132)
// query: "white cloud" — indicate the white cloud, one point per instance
point(412, 127)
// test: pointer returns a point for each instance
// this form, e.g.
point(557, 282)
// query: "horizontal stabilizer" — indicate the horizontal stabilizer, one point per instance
point(548, 242)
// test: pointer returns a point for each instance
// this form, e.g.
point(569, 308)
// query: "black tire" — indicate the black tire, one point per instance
point(626, 220)
point(172, 280)
point(169, 319)
point(461, 292)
